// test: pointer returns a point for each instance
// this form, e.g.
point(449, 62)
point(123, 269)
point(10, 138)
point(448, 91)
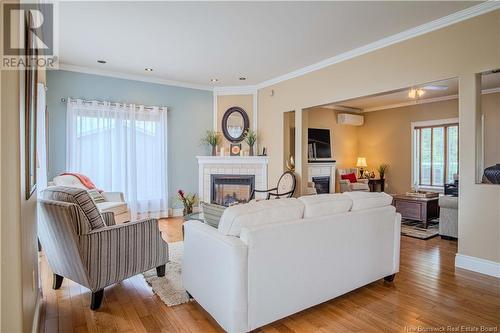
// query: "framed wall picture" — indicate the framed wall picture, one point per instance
point(30, 107)
point(235, 149)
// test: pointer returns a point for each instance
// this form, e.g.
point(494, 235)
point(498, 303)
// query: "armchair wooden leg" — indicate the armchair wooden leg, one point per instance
point(160, 271)
point(189, 295)
point(57, 281)
point(390, 278)
point(96, 300)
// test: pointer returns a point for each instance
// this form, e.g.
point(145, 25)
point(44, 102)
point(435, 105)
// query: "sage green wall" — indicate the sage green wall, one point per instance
point(190, 114)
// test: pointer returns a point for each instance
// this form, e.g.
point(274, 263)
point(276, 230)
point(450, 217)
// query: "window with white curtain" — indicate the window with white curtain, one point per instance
point(435, 152)
point(121, 147)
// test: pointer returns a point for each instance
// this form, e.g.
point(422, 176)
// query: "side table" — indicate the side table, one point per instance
point(374, 183)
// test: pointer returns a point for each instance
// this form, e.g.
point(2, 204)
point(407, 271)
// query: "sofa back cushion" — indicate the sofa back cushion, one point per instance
point(325, 204)
point(79, 197)
point(258, 213)
point(368, 200)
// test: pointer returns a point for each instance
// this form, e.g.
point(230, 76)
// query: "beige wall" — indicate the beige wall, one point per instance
point(460, 50)
point(224, 102)
point(386, 137)
point(18, 248)
point(490, 107)
point(344, 139)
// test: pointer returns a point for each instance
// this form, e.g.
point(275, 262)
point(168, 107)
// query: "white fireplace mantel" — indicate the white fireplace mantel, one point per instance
point(232, 159)
point(230, 165)
point(322, 169)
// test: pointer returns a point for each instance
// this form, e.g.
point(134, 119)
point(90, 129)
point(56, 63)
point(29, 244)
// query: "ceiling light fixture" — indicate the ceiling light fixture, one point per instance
point(415, 93)
point(214, 80)
point(148, 69)
point(101, 61)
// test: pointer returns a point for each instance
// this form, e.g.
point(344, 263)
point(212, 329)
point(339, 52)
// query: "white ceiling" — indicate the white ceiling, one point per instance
point(195, 41)
point(490, 82)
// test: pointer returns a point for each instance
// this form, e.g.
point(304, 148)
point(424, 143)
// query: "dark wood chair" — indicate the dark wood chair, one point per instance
point(284, 189)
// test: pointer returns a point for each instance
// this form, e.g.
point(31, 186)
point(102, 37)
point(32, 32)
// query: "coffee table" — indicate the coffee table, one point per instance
point(417, 209)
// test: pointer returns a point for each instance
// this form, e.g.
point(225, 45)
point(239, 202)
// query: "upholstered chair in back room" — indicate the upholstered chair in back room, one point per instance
point(86, 246)
point(355, 184)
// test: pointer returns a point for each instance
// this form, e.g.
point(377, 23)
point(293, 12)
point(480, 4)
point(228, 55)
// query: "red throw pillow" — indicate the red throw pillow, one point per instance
point(351, 177)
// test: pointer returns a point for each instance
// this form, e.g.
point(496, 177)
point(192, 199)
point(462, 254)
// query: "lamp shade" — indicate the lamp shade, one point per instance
point(361, 162)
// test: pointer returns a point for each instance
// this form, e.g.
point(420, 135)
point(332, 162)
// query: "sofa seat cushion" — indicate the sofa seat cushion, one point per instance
point(258, 213)
point(368, 200)
point(359, 186)
point(114, 207)
point(326, 204)
point(79, 197)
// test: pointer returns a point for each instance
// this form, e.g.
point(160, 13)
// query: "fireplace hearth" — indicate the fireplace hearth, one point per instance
point(228, 190)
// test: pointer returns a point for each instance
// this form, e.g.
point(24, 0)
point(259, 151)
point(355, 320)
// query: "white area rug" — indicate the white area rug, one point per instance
point(169, 288)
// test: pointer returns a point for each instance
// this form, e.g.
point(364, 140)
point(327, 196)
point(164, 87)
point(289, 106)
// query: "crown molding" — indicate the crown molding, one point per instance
point(134, 77)
point(235, 90)
point(409, 103)
point(341, 108)
point(425, 101)
point(491, 91)
point(445, 21)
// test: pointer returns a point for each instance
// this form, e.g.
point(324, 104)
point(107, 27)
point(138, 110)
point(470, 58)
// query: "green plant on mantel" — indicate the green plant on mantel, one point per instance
point(250, 139)
point(212, 138)
point(382, 169)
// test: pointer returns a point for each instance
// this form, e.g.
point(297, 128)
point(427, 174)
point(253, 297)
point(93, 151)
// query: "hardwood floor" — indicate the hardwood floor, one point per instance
point(429, 292)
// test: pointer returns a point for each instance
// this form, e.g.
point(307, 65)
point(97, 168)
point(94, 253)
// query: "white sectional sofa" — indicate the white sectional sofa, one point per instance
point(270, 259)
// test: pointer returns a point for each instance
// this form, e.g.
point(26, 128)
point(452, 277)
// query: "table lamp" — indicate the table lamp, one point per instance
point(361, 164)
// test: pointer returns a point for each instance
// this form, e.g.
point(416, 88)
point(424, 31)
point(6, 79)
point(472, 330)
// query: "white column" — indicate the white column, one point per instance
point(300, 164)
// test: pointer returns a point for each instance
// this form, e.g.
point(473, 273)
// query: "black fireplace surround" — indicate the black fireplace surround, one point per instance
point(322, 184)
point(229, 184)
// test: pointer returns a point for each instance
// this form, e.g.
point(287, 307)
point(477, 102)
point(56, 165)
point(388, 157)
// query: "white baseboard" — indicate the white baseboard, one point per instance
point(479, 265)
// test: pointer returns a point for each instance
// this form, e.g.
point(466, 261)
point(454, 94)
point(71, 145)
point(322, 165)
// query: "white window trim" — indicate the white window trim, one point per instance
point(414, 168)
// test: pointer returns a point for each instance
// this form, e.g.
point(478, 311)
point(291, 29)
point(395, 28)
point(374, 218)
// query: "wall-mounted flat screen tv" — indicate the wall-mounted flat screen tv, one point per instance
point(318, 142)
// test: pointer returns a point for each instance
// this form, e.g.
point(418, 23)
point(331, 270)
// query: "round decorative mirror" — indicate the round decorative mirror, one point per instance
point(235, 124)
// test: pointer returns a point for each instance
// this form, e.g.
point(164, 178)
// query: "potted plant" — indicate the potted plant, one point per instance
point(212, 138)
point(250, 139)
point(382, 169)
point(188, 200)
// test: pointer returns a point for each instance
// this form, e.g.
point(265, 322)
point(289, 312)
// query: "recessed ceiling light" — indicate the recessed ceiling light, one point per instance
point(101, 61)
point(243, 78)
point(214, 80)
point(148, 69)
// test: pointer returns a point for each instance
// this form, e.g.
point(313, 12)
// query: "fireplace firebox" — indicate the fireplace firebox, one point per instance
point(322, 184)
point(228, 190)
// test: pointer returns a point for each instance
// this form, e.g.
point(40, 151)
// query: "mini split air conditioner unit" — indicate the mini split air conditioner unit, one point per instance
point(350, 119)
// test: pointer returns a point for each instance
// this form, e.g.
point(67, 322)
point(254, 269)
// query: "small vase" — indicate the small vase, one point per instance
point(251, 153)
point(187, 210)
point(214, 150)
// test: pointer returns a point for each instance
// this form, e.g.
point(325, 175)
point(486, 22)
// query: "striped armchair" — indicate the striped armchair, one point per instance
point(87, 247)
